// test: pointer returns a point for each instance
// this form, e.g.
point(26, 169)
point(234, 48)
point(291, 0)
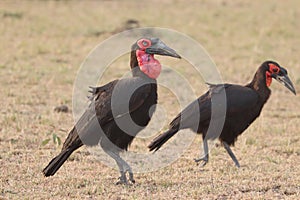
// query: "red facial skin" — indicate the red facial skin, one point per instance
point(273, 69)
point(148, 64)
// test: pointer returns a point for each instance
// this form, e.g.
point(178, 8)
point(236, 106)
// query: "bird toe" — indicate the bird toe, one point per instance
point(201, 161)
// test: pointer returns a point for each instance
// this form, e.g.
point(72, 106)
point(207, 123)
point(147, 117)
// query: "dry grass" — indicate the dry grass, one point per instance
point(42, 46)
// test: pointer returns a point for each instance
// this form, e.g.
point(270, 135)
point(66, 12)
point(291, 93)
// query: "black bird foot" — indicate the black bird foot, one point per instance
point(93, 90)
point(131, 177)
point(122, 180)
point(203, 161)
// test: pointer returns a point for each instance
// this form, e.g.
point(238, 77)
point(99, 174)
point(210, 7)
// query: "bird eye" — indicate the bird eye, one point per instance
point(145, 43)
point(273, 68)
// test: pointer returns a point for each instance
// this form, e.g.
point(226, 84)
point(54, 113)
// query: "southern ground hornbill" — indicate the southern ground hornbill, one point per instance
point(119, 109)
point(243, 106)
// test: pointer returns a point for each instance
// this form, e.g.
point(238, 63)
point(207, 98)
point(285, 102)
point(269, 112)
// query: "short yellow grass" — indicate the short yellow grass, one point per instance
point(42, 44)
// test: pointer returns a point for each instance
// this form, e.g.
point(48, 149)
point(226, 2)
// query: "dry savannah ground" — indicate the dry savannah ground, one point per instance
point(42, 45)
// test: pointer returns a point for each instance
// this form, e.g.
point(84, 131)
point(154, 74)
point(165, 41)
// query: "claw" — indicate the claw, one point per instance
point(131, 177)
point(203, 161)
point(122, 179)
point(122, 182)
point(93, 90)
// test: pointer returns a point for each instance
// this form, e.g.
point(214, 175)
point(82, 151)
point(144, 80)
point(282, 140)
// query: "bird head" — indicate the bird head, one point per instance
point(274, 70)
point(144, 50)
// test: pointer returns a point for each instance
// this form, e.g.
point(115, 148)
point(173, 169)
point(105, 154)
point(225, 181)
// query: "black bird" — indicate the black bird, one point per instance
point(243, 106)
point(119, 109)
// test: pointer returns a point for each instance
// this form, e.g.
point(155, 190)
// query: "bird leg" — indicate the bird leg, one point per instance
point(204, 159)
point(229, 151)
point(129, 170)
point(123, 179)
point(123, 167)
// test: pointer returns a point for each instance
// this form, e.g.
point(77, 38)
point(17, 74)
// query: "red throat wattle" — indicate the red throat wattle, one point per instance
point(268, 78)
point(148, 64)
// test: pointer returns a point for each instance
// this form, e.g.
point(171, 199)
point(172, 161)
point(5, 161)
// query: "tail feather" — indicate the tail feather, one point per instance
point(57, 162)
point(161, 139)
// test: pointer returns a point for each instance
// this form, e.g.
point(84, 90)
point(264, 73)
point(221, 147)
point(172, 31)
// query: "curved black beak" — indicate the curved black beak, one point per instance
point(161, 48)
point(285, 80)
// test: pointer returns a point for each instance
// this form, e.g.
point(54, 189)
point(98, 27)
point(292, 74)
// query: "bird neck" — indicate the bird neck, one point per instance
point(144, 65)
point(133, 61)
point(260, 84)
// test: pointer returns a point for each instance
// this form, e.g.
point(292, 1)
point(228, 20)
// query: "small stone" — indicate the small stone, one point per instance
point(61, 108)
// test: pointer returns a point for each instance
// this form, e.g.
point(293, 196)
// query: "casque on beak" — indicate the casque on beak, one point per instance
point(160, 48)
point(285, 80)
